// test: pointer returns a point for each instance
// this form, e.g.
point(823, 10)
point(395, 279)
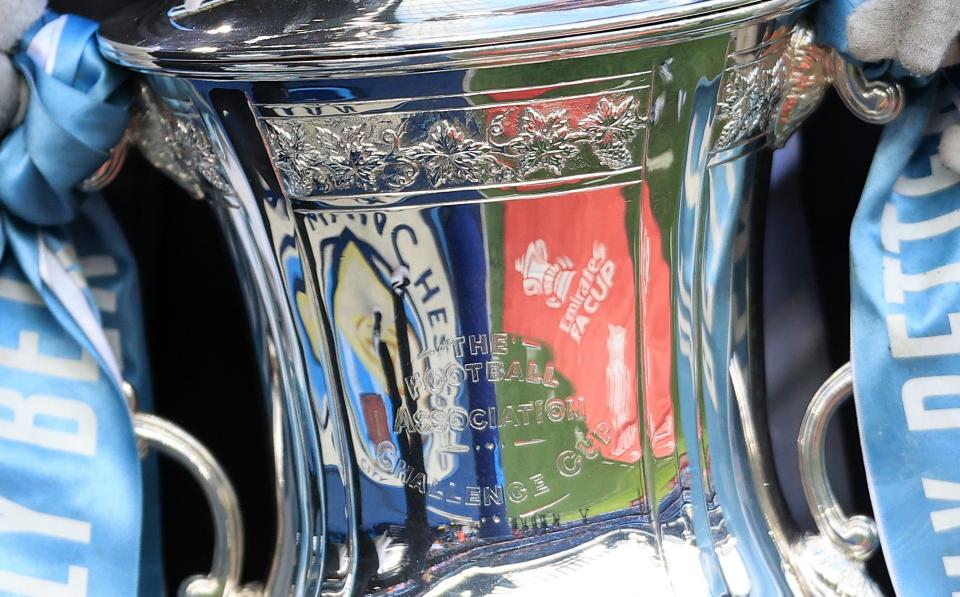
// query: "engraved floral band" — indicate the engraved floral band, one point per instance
point(468, 148)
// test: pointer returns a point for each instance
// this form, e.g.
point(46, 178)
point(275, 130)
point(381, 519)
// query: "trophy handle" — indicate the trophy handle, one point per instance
point(874, 101)
point(810, 69)
point(180, 145)
point(855, 536)
point(224, 577)
point(821, 564)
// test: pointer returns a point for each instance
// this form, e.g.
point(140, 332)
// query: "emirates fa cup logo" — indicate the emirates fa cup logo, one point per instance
point(578, 293)
point(543, 278)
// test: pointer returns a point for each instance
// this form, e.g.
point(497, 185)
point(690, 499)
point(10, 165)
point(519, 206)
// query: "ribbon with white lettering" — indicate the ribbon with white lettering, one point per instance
point(70, 332)
point(905, 246)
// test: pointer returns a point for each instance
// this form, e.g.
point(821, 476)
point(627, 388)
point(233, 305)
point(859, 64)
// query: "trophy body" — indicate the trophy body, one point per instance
point(498, 293)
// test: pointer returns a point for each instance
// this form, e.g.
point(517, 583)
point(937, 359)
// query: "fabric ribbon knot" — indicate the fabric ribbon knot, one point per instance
point(77, 113)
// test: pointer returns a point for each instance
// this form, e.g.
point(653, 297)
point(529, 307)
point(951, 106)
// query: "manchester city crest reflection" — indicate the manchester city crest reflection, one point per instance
point(457, 426)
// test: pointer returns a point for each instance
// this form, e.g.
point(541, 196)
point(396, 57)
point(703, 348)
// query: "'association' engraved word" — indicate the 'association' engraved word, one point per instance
point(426, 421)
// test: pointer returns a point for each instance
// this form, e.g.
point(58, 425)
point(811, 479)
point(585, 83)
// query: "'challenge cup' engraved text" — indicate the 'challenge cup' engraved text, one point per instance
point(389, 461)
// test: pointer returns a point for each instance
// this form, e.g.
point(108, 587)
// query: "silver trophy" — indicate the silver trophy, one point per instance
point(499, 263)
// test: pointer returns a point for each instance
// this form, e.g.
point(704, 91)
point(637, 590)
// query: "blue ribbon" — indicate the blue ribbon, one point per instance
point(77, 113)
point(70, 333)
point(905, 246)
point(905, 290)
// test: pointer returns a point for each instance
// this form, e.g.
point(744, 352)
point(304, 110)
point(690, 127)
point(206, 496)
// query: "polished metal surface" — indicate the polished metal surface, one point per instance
point(222, 30)
point(809, 79)
point(283, 40)
point(504, 296)
point(854, 535)
point(172, 441)
point(176, 143)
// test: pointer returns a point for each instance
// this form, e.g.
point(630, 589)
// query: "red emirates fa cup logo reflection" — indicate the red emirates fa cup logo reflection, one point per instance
point(571, 281)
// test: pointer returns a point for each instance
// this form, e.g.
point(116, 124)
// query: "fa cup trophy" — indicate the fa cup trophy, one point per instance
point(500, 265)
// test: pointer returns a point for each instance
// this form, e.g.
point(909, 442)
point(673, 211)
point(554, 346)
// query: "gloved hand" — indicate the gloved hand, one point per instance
point(919, 34)
point(950, 148)
point(9, 93)
point(15, 17)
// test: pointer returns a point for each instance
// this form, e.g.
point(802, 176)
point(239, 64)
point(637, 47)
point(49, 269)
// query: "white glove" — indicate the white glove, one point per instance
point(919, 34)
point(950, 148)
point(15, 17)
point(9, 93)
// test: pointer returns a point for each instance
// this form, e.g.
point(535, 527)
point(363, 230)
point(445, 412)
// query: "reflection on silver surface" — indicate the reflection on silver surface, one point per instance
point(271, 38)
point(574, 572)
point(495, 303)
point(829, 572)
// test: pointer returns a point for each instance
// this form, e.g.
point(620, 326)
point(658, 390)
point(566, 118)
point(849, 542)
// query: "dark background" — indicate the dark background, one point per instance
point(205, 375)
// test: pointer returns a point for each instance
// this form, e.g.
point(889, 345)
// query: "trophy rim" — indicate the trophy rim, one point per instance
point(187, 54)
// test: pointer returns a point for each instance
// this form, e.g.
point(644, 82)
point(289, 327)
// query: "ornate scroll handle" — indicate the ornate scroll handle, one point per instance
point(224, 577)
point(855, 536)
point(876, 102)
point(811, 561)
point(810, 69)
